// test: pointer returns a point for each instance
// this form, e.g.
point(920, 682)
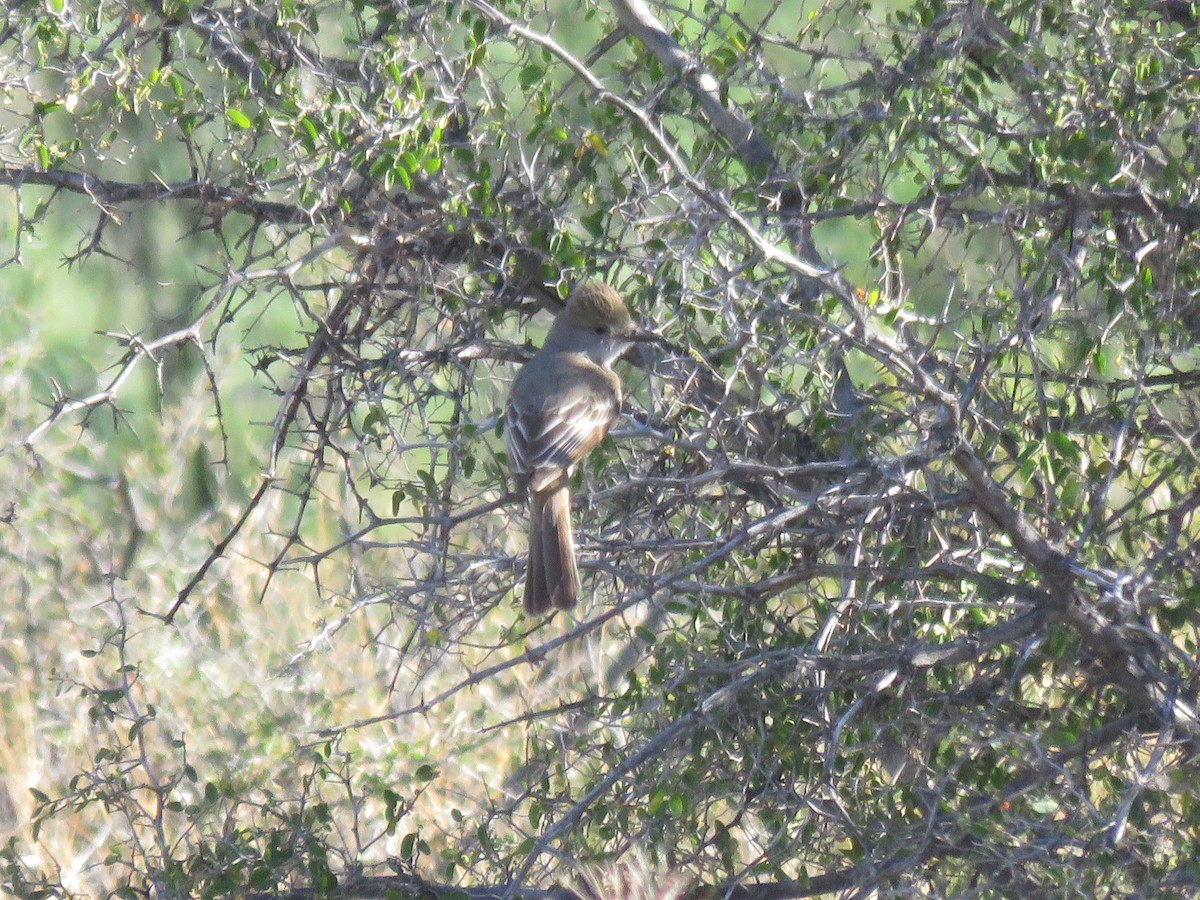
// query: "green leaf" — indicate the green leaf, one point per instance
point(594, 223)
point(379, 166)
point(1063, 444)
point(310, 131)
point(407, 844)
point(238, 118)
point(1044, 806)
point(531, 75)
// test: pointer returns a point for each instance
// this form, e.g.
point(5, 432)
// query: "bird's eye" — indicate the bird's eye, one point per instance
point(601, 329)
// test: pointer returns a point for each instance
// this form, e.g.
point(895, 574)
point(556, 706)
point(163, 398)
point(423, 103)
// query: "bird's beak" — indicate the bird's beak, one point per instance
point(642, 336)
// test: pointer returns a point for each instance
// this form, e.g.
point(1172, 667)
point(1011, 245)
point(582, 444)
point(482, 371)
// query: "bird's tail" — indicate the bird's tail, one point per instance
point(552, 580)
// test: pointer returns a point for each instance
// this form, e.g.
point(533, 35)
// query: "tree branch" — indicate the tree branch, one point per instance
point(750, 146)
point(207, 192)
point(1129, 665)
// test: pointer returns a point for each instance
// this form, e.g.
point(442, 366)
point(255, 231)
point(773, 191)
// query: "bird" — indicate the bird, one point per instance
point(562, 403)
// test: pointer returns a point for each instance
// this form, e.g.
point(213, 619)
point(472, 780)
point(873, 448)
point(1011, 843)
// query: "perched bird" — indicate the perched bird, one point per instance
point(562, 403)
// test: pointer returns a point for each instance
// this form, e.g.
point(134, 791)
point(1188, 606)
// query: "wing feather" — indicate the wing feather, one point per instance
point(555, 425)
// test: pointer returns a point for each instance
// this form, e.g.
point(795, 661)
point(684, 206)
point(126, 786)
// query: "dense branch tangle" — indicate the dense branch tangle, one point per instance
point(910, 494)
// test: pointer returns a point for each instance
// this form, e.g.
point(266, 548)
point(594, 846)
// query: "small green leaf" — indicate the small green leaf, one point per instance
point(1044, 806)
point(530, 75)
point(406, 845)
point(1063, 444)
point(375, 415)
point(310, 130)
point(594, 223)
point(238, 118)
point(380, 165)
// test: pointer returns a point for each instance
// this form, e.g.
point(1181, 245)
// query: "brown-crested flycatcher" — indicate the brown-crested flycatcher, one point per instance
point(562, 403)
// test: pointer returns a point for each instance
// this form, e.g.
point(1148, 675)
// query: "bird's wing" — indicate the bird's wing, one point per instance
point(554, 425)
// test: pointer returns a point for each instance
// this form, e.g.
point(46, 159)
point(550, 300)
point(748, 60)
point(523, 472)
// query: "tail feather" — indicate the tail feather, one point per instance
point(537, 598)
point(553, 577)
point(558, 550)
